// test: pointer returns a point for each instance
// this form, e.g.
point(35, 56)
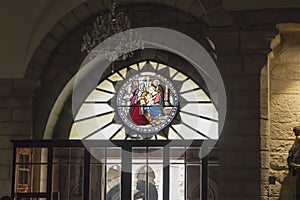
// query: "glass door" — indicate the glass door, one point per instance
point(147, 173)
point(131, 171)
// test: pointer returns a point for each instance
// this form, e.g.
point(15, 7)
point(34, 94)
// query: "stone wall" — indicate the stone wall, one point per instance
point(241, 55)
point(284, 108)
point(15, 123)
point(242, 51)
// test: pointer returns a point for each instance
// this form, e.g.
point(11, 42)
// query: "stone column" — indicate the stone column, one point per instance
point(284, 65)
point(241, 55)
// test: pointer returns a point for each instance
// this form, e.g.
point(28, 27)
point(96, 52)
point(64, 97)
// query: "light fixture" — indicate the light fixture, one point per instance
point(104, 27)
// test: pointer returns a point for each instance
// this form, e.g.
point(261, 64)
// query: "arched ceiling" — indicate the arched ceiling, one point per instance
point(25, 23)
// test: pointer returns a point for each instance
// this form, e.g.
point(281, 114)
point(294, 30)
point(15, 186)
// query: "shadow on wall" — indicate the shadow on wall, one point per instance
point(288, 189)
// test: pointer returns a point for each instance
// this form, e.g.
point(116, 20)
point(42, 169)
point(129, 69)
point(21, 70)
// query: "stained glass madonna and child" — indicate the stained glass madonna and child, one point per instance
point(147, 103)
point(147, 100)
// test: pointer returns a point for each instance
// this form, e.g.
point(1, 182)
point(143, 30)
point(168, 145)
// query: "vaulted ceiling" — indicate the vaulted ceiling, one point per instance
point(25, 23)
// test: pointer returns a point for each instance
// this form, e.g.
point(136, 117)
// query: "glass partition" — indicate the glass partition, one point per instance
point(67, 171)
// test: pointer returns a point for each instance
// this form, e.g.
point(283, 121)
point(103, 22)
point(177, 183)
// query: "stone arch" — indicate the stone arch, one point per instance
point(207, 11)
point(56, 65)
point(65, 120)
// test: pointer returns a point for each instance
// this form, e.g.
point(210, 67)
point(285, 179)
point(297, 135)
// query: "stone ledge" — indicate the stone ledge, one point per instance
point(288, 27)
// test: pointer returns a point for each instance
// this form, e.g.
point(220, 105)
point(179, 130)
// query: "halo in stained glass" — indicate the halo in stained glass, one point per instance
point(183, 108)
point(147, 102)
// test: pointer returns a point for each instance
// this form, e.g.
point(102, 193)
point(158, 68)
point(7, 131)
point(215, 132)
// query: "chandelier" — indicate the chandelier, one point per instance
point(104, 27)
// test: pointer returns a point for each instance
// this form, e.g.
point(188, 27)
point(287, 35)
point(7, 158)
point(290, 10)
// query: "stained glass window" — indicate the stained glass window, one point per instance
point(147, 100)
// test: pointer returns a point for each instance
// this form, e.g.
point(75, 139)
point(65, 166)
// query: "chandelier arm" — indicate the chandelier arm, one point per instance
point(104, 27)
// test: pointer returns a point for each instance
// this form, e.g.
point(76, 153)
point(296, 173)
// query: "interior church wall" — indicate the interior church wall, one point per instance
point(241, 50)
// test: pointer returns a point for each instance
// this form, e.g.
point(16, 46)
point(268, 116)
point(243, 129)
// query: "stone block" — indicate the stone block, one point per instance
point(282, 176)
point(241, 176)
point(264, 143)
point(246, 99)
point(252, 189)
point(198, 11)
point(39, 128)
point(6, 87)
point(5, 172)
point(264, 71)
point(282, 71)
point(245, 143)
point(96, 6)
point(219, 17)
point(284, 86)
point(275, 190)
point(5, 142)
point(15, 102)
point(264, 99)
point(41, 116)
point(69, 21)
point(280, 146)
point(59, 31)
point(258, 39)
point(15, 128)
point(264, 127)
point(226, 45)
point(254, 63)
point(278, 161)
point(264, 113)
point(231, 187)
point(75, 47)
point(265, 160)
point(285, 102)
point(284, 117)
point(63, 77)
point(184, 5)
point(40, 56)
point(25, 87)
point(82, 12)
point(231, 159)
point(52, 91)
point(242, 82)
point(5, 186)
point(283, 131)
point(49, 43)
point(22, 115)
point(51, 72)
point(249, 127)
point(6, 156)
point(5, 114)
point(252, 160)
point(231, 127)
point(240, 113)
point(264, 188)
point(265, 173)
point(264, 82)
point(290, 55)
point(60, 59)
point(34, 70)
point(230, 64)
